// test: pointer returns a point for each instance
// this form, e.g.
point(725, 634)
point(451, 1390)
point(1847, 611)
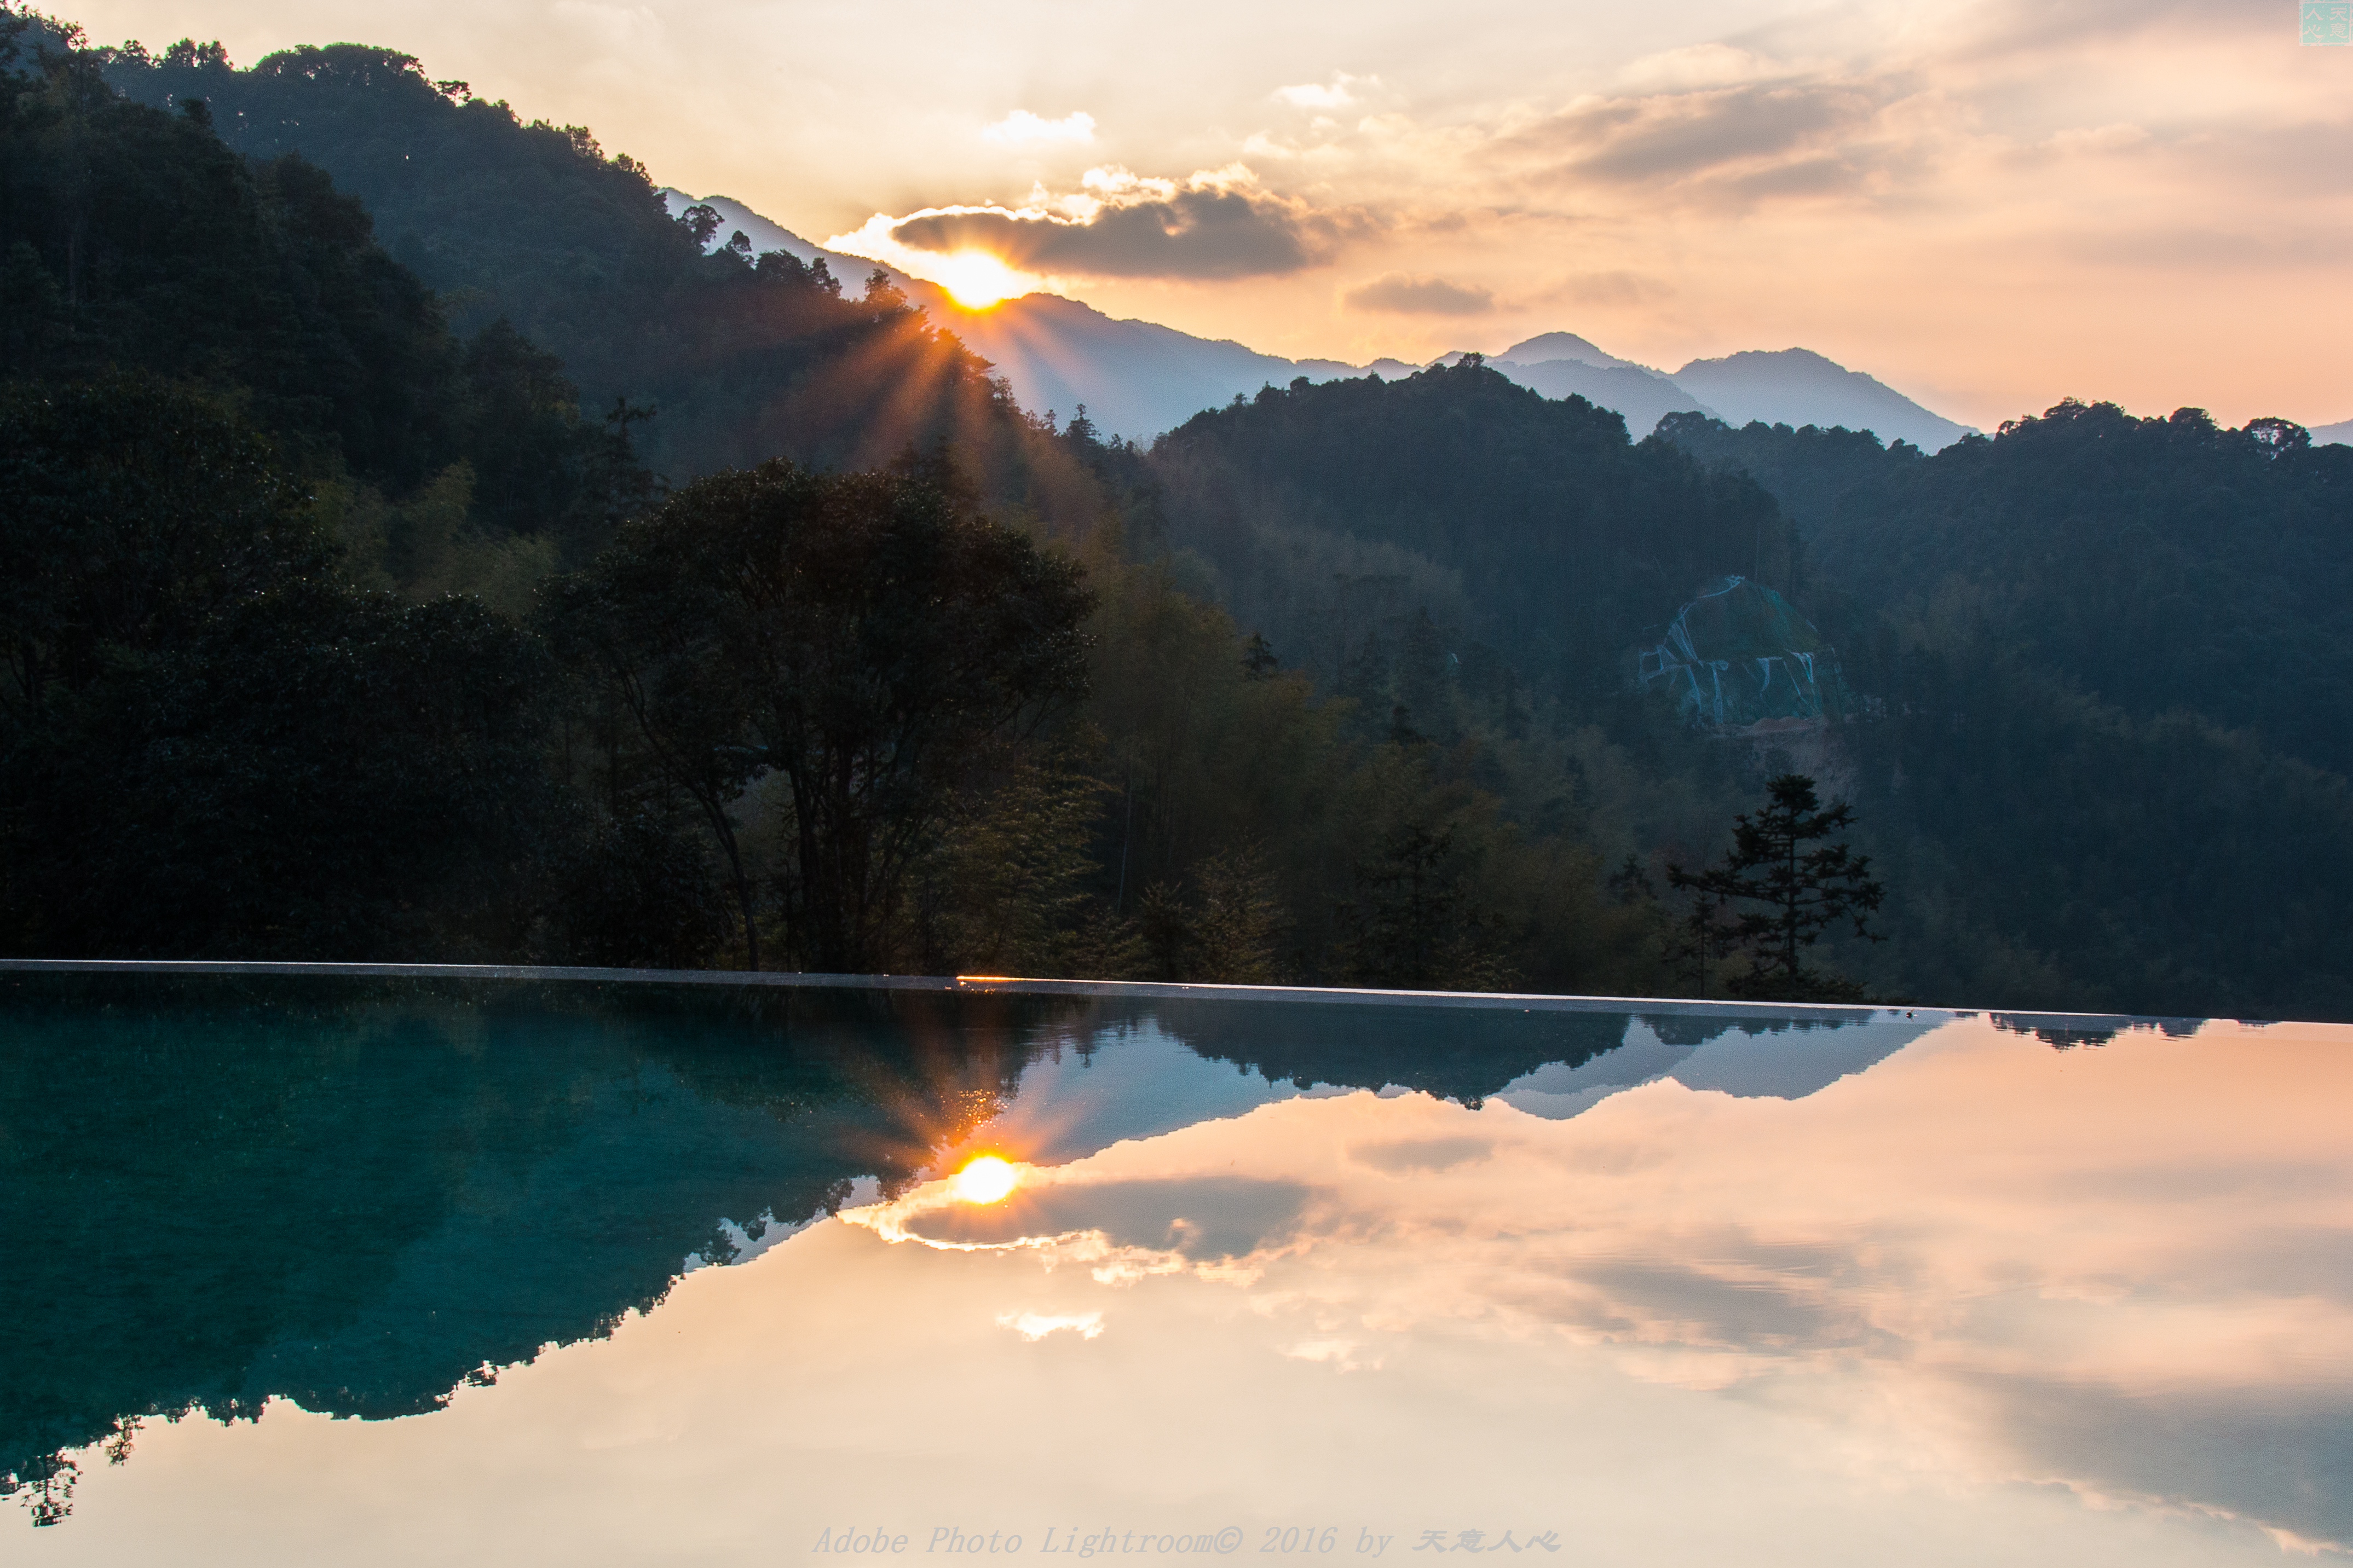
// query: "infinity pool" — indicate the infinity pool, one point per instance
point(365, 1269)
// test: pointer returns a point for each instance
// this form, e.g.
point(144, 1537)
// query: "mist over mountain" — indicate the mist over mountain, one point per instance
point(2338, 435)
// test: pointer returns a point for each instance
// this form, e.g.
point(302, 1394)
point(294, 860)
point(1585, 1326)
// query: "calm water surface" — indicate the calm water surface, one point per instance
point(300, 1272)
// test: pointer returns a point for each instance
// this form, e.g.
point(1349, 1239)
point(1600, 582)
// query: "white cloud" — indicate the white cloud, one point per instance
point(1339, 94)
point(1022, 126)
point(1036, 1326)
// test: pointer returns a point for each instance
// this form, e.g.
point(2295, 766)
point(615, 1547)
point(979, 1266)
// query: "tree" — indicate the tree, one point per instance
point(654, 637)
point(1803, 892)
point(868, 636)
point(1227, 933)
point(1700, 936)
point(207, 745)
point(1412, 925)
point(135, 510)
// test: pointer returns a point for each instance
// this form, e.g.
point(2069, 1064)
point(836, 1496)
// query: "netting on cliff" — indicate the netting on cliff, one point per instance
point(1739, 654)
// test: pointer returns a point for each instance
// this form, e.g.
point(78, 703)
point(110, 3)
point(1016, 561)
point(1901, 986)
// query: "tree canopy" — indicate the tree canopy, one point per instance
point(866, 638)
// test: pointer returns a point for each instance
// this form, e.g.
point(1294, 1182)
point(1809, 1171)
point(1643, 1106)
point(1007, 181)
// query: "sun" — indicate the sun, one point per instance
point(985, 1180)
point(977, 279)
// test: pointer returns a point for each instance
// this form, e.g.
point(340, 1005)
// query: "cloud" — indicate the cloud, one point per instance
point(1678, 136)
point(1616, 288)
point(1036, 1326)
point(1021, 127)
point(1398, 294)
point(1214, 225)
point(1337, 94)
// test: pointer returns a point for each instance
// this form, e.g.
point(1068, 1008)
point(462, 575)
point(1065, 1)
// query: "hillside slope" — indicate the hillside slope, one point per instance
point(1134, 379)
point(738, 360)
point(1550, 535)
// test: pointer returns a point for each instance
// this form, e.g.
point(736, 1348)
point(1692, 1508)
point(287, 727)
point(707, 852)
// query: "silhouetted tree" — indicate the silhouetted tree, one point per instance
point(865, 636)
point(207, 746)
point(1703, 935)
point(1412, 924)
point(1259, 661)
point(1803, 892)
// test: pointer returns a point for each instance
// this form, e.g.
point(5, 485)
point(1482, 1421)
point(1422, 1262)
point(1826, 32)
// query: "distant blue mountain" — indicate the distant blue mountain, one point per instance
point(1800, 387)
point(1562, 364)
point(1138, 379)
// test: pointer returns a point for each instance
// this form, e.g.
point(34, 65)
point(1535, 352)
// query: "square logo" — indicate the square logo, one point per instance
point(2324, 22)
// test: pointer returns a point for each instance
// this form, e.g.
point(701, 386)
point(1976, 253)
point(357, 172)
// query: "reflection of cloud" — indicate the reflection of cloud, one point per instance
point(1022, 126)
point(1403, 1156)
point(1036, 1326)
point(1400, 294)
point(1127, 1227)
point(1979, 1256)
point(1714, 1306)
point(2279, 1455)
point(1337, 1353)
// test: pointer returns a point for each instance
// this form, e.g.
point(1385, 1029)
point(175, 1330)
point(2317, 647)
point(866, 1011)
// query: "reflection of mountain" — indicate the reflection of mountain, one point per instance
point(358, 1202)
point(1752, 1058)
point(1526, 1057)
point(1455, 1053)
point(1133, 1078)
point(359, 1194)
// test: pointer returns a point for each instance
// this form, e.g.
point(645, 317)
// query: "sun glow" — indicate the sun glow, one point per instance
point(977, 279)
point(985, 1180)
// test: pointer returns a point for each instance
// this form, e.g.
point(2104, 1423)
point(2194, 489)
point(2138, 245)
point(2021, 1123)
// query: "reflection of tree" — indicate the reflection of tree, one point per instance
point(1458, 1053)
point(362, 1199)
point(2064, 1032)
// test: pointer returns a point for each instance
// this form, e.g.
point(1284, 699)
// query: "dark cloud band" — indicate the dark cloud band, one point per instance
point(1397, 294)
point(1203, 233)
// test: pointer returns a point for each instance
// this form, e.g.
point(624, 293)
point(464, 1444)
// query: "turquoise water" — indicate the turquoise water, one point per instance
point(378, 1271)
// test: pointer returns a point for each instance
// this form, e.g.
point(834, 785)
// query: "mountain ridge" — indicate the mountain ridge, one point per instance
point(1798, 387)
point(1139, 379)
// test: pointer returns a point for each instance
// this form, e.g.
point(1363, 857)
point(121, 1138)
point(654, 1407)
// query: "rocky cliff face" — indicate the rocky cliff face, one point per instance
point(1739, 660)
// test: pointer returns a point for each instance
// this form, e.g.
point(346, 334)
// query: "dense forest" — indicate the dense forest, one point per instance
point(387, 581)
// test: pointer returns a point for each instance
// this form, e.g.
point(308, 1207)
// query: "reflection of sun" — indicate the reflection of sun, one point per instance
point(985, 1180)
point(978, 278)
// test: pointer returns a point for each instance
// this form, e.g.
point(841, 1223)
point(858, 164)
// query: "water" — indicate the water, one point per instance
point(385, 1272)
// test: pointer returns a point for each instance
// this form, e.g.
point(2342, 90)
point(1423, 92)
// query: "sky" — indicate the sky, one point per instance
point(1991, 205)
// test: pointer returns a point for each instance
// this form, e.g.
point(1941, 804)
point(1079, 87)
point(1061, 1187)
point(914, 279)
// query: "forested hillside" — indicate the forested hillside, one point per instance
point(1563, 540)
point(2111, 655)
point(737, 358)
point(382, 582)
